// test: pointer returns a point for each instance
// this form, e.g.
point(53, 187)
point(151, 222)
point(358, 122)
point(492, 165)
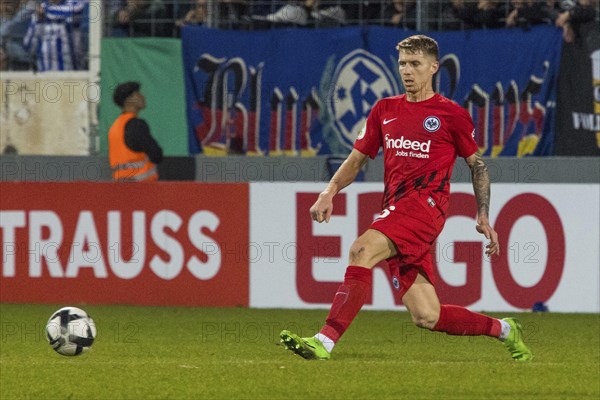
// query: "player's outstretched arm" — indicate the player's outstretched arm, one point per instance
point(481, 187)
point(345, 175)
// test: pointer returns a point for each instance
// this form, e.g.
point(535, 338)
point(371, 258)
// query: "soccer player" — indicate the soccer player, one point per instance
point(421, 133)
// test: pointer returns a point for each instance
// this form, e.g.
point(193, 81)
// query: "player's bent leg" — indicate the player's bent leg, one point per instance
point(370, 248)
point(422, 303)
point(514, 341)
point(308, 348)
point(366, 251)
point(348, 301)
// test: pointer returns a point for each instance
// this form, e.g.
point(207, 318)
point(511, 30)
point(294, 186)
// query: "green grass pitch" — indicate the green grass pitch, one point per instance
point(210, 353)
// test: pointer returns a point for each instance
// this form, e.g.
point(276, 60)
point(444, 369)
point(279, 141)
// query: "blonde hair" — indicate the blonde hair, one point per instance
point(419, 43)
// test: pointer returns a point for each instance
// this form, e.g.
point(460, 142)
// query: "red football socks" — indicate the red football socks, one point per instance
point(456, 320)
point(347, 302)
point(351, 295)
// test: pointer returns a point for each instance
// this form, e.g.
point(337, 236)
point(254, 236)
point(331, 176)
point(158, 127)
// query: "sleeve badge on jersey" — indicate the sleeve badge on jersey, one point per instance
point(431, 124)
point(362, 132)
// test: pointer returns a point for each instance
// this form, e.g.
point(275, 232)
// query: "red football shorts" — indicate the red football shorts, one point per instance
point(412, 223)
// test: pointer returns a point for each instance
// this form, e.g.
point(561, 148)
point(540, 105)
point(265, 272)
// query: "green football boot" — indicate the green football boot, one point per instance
point(514, 342)
point(308, 348)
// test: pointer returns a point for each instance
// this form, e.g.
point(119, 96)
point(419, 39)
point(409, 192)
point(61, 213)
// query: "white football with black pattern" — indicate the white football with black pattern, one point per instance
point(70, 331)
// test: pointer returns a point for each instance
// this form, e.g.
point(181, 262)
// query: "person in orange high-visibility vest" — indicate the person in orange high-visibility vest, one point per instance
point(132, 151)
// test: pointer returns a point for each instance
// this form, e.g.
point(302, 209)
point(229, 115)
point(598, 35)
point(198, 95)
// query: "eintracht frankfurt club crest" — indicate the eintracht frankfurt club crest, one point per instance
point(359, 80)
point(431, 124)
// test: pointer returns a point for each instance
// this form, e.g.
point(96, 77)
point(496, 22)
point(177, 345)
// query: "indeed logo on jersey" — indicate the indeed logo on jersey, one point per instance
point(402, 144)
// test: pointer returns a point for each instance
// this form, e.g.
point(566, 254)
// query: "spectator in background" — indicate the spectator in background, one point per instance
point(231, 13)
point(195, 16)
point(228, 14)
point(402, 14)
point(132, 151)
point(54, 35)
point(143, 18)
point(365, 11)
point(258, 7)
point(526, 13)
point(300, 13)
point(552, 8)
point(324, 14)
point(3, 59)
point(15, 16)
point(293, 13)
point(483, 14)
point(8, 9)
point(112, 6)
point(490, 14)
point(575, 16)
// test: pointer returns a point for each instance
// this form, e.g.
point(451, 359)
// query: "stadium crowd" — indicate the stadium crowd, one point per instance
point(44, 35)
point(163, 17)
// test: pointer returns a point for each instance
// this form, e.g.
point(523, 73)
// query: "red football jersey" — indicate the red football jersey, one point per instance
point(420, 141)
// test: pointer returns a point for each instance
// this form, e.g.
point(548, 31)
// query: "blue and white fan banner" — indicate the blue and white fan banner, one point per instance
point(308, 92)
